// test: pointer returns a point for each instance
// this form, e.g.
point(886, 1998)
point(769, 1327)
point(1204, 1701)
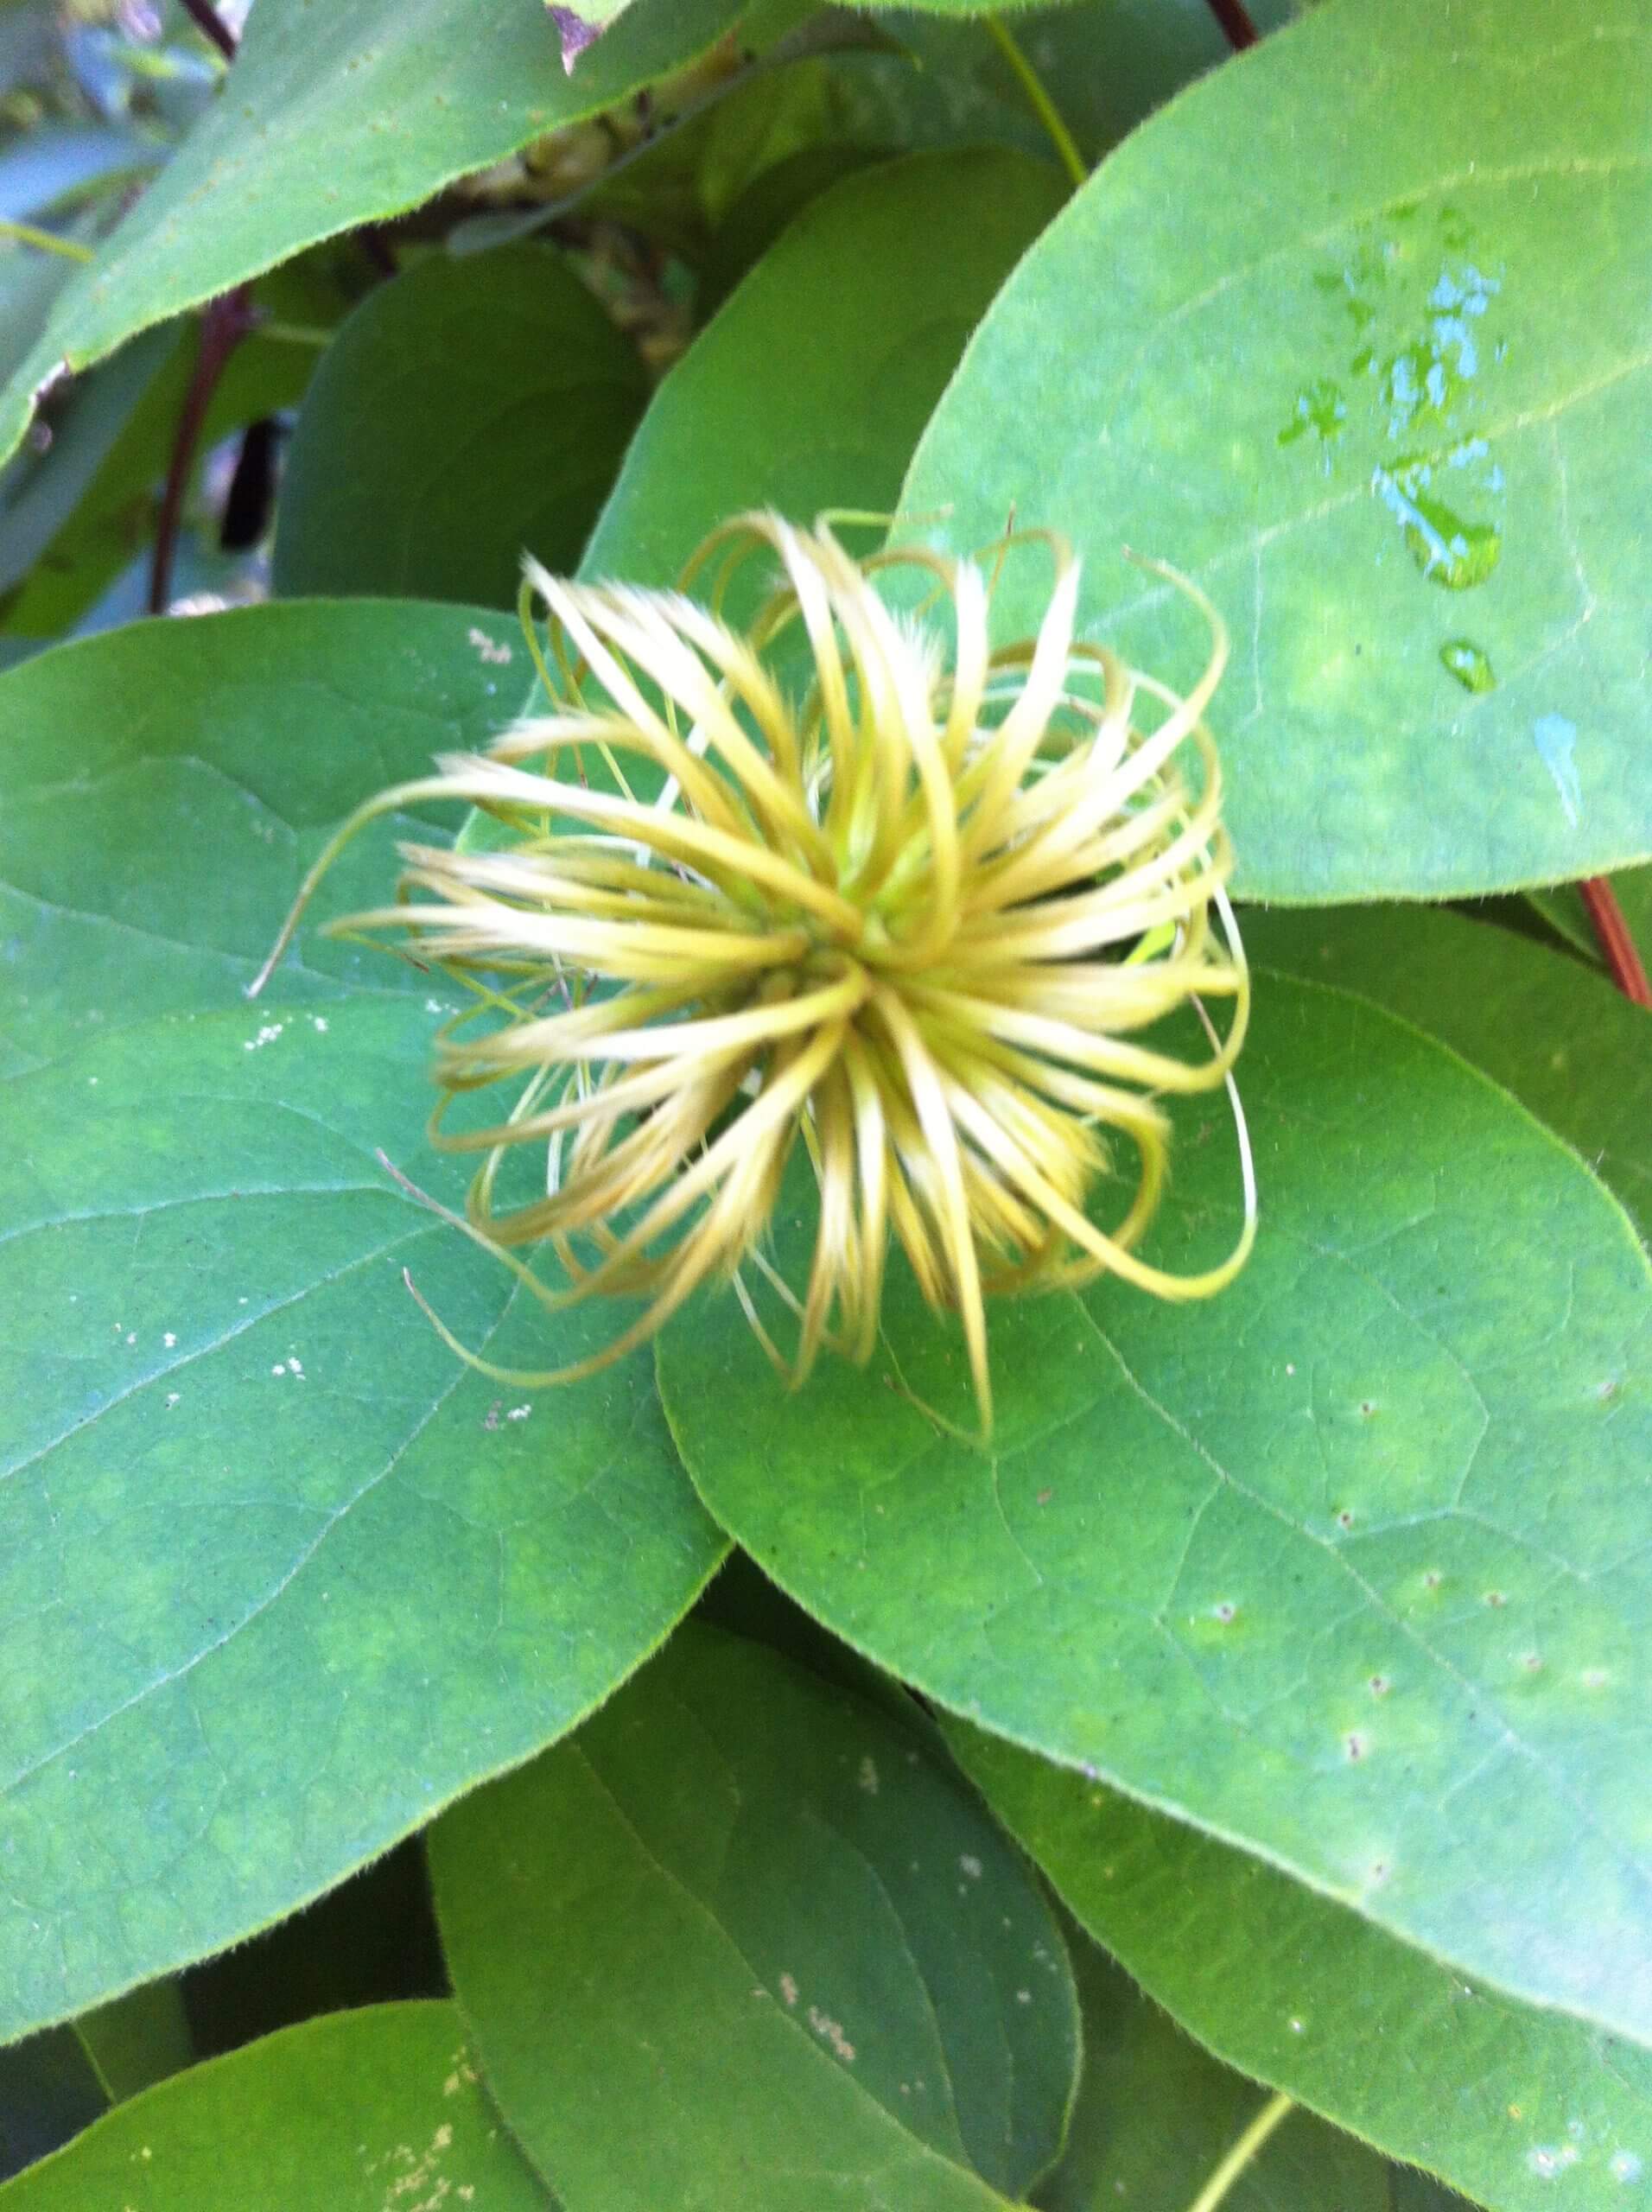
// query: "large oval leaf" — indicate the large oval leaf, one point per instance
point(1379, 383)
point(281, 1576)
point(887, 274)
point(1156, 2116)
point(165, 787)
point(746, 1940)
point(354, 2112)
point(470, 412)
point(335, 117)
point(1568, 1045)
point(1347, 1565)
point(1317, 2002)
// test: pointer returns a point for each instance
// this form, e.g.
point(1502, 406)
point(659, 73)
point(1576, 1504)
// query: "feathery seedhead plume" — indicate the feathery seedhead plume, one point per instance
point(909, 908)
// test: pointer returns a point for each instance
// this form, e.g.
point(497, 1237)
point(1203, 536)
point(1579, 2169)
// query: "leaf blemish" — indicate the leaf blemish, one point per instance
point(1546, 2160)
point(831, 2031)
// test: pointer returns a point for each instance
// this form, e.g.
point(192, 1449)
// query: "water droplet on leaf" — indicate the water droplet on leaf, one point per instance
point(1465, 660)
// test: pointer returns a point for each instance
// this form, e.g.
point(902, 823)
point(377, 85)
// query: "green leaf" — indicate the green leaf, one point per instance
point(1561, 905)
point(116, 518)
point(1319, 2003)
point(1156, 2116)
point(1205, 1532)
point(281, 1576)
point(766, 208)
point(1107, 64)
point(31, 281)
point(41, 492)
point(745, 1939)
point(887, 273)
point(354, 2112)
point(1568, 1046)
point(337, 116)
point(165, 787)
point(138, 2040)
point(470, 411)
point(1379, 388)
point(594, 14)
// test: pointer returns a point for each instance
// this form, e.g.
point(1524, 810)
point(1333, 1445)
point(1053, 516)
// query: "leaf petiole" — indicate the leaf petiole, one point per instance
point(1277, 2109)
point(1039, 100)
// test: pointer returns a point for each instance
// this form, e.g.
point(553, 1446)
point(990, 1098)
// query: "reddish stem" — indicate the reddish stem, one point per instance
point(1235, 19)
point(224, 324)
point(211, 24)
point(1618, 946)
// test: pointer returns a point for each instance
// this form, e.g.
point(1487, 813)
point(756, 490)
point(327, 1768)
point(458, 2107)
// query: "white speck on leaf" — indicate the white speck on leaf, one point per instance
point(1546, 2160)
point(831, 2031)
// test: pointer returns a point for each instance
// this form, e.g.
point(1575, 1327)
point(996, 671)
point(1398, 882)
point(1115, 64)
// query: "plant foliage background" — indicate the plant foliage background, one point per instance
point(665, 1792)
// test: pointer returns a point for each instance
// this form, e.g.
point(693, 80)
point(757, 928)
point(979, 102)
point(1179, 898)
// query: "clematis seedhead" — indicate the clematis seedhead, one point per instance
point(841, 880)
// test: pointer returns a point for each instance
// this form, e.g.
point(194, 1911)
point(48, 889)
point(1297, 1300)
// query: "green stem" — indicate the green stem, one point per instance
point(28, 234)
point(1276, 2109)
point(294, 334)
point(1039, 100)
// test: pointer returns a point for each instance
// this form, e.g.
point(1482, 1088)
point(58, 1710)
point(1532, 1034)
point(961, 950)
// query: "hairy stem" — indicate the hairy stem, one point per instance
point(1276, 2109)
point(1039, 100)
point(1235, 19)
point(1618, 946)
point(224, 324)
point(211, 24)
